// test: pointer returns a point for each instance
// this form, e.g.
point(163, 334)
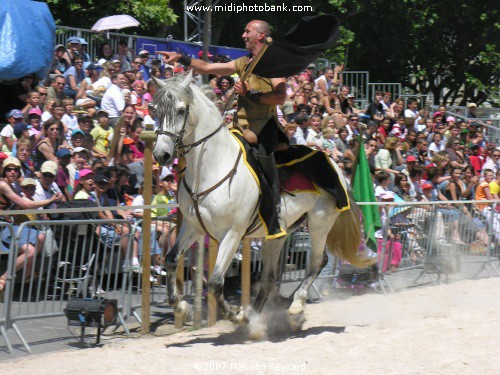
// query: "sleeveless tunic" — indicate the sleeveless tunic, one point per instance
point(251, 114)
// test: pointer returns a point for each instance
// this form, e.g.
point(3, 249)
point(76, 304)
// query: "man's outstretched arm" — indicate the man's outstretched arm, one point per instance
point(200, 66)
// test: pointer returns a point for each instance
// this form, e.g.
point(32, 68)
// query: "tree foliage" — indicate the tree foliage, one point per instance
point(151, 14)
point(444, 47)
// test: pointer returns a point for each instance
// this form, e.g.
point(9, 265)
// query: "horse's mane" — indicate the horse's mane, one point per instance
point(172, 91)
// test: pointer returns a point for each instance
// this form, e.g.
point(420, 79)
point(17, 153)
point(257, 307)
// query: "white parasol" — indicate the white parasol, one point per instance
point(116, 22)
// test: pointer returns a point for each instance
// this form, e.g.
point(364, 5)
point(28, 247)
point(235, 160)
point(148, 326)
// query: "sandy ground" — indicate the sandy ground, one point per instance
point(446, 329)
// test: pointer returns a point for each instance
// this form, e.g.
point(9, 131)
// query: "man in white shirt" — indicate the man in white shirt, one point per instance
point(413, 112)
point(113, 101)
point(46, 186)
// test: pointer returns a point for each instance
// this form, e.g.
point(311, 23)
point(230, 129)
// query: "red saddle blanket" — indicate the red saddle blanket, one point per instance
point(298, 182)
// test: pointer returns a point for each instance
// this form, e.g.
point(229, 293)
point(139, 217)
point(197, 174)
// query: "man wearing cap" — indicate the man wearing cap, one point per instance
point(62, 179)
point(141, 71)
point(28, 188)
point(258, 98)
point(74, 50)
point(471, 110)
point(144, 54)
point(59, 63)
point(83, 50)
point(113, 101)
point(46, 186)
point(14, 117)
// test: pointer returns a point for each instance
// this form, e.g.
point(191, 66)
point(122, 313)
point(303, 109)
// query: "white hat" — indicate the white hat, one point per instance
point(49, 167)
point(80, 149)
point(101, 61)
point(28, 181)
point(11, 161)
point(165, 172)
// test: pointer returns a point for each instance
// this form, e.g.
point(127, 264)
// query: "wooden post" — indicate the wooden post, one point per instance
point(213, 249)
point(198, 282)
point(179, 284)
point(245, 272)
point(148, 136)
point(179, 276)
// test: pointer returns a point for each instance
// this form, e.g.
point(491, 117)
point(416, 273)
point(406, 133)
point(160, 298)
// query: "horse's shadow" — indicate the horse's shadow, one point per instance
point(275, 333)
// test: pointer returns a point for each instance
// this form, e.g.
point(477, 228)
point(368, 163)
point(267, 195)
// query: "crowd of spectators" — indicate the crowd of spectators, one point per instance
point(76, 135)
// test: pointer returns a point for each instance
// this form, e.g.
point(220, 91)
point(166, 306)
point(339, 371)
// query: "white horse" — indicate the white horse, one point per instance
point(219, 196)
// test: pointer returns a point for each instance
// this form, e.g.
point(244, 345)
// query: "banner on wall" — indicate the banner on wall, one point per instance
point(186, 48)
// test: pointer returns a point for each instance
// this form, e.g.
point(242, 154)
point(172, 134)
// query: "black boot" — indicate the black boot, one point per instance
point(270, 206)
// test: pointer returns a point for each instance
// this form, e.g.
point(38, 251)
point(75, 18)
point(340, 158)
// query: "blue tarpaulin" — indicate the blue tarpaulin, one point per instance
point(27, 34)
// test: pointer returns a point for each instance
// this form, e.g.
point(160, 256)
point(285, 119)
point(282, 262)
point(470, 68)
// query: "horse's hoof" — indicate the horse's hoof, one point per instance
point(241, 318)
point(296, 320)
point(296, 309)
point(257, 329)
point(183, 311)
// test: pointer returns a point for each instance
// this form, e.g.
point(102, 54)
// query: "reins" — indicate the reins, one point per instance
point(195, 197)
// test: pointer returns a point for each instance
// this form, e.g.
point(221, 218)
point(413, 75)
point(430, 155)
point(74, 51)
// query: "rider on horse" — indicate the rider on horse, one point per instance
point(258, 98)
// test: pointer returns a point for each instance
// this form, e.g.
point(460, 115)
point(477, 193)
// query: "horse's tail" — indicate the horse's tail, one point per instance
point(344, 238)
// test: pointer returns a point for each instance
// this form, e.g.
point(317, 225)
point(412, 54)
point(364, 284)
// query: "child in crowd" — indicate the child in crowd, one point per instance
point(47, 110)
point(79, 161)
point(77, 138)
point(102, 134)
point(32, 101)
point(69, 118)
point(138, 98)
point(85, 187)
point(35, 120)
point(383, 179)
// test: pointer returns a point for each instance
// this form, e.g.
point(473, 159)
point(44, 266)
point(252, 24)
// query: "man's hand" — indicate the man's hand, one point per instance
point(169, 57)
point(241, 88)
point(56, 197)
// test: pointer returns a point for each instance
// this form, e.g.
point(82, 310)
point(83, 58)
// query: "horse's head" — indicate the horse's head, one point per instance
point(172, 108)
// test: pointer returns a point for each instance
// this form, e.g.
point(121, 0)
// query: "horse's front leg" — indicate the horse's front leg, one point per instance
point(187, 236)
point(227, 250)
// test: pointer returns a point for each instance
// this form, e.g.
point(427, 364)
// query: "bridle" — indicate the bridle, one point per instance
point(183, 149)
point(179, 146)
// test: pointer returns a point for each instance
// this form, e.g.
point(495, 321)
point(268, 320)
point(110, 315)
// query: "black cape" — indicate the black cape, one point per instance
point(303, 44)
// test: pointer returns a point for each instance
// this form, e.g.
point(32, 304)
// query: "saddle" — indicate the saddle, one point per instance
point(300, 169)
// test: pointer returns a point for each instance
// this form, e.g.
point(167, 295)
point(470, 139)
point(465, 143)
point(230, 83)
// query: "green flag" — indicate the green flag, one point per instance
point(362, 186)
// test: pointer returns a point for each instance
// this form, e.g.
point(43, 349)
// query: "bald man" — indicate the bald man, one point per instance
point(258, 98)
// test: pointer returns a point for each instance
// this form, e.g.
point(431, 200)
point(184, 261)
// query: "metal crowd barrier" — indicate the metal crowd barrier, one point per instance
point(417, 239)
point(159, 248)
point(70, 258)
point(424, 239)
